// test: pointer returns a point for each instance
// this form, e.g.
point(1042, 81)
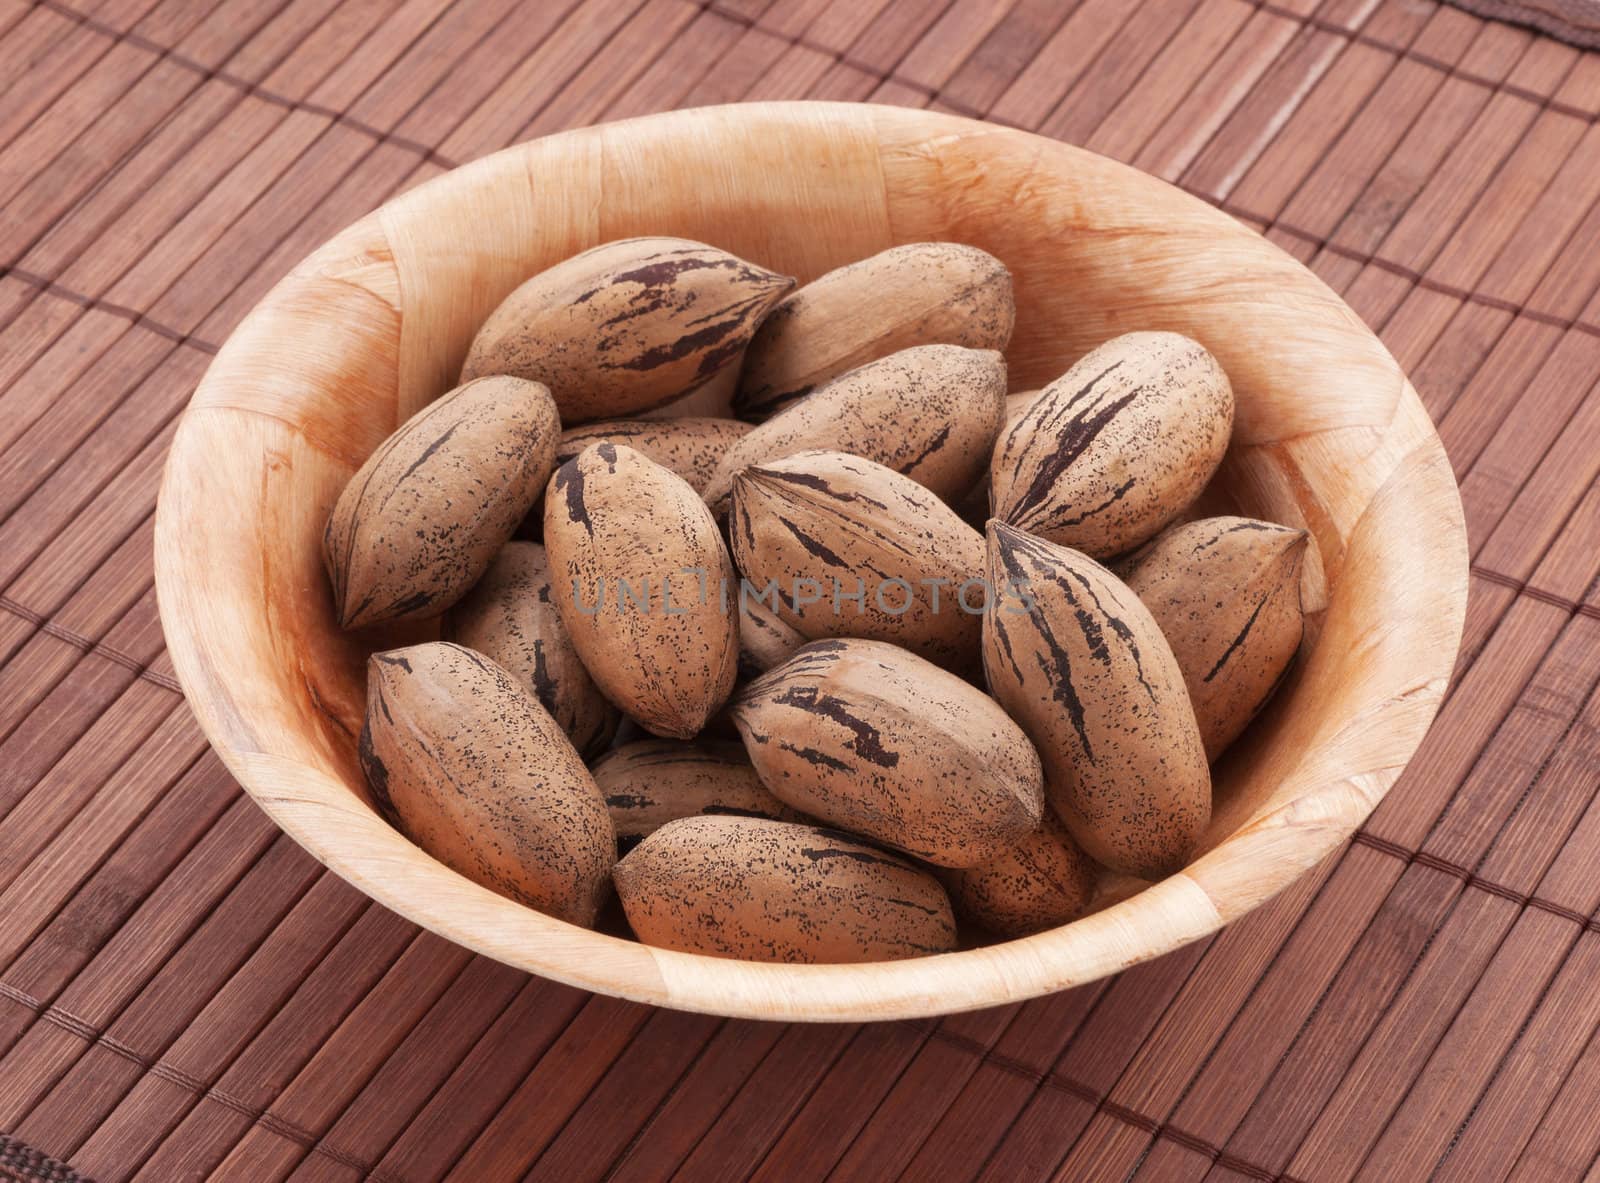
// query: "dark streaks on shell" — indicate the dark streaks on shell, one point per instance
point(678, 349)
point(764, 401)
point(1266, 597)
point(628, 801)
point(674, 264)
point(373, 465)
point(427, 454)
point(1011, 657)
point(836, 502)
point(812, 756)
point(934, 445)
point(810, 660)
point(714, 359)
point(1075, 439)
point(377, 773)
point(945, 389)
point(408, 603)
point(1233, 645)
point(477, 659)
point(744, 526)
point(658, 270)
point(544, 686)
point(779, 891)
point(805, 480)
point(821, 854)
point(868, 742)
point(569, 481)
point(658, 759)
point(1078, 519)
point(355, 613)
point(1118, 626)
point(715, 326)
point(1013, 546)
point(814, 547)
point(1246, 524)
point(911, 904)
point(642, 306)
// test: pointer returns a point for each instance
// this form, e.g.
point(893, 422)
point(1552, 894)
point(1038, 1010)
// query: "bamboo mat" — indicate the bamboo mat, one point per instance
point(185, 995)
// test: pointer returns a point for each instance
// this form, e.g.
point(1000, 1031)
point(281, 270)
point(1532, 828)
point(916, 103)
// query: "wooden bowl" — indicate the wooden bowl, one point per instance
point(1329, 436)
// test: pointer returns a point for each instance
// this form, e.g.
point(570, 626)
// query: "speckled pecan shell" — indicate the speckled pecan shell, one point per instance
point(923, 293)
point(1226, 592)
point(1081, 664)
point(651, 782)
point(1017, 404)
point(1040, 881)
point(765, 638)
point(664, 648)
point(776, 891)
point(931, 412)
point(689, 447)
point(510, 617)
point(853, 526)
point(1117, 446)
point(480, 776)
point(626, 326)
point(878, 741)
point(974, 507)
point(421, 519)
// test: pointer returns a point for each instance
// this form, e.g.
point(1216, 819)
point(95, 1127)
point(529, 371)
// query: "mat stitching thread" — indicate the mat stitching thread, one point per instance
point(1304, 20)
point(88, 645)
point(1322, 242)
point(170, 53)
point(1130, 1116)
point(1434, 862)
point(177, 1076)
point(94, 303)
point(286, 1129)
point(1548, 102)
point(265, 1118)
point(841, 56)
point(1157, 1129)
point(1319, 241)
point(1122, 1113)
point(1414, 277)
point(1325, 243)
point(1537, 593)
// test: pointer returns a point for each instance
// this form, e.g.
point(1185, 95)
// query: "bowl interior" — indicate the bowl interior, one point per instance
point(1329, 436)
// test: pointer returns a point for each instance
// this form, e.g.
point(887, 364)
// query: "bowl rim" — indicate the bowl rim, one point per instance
point(313, 806)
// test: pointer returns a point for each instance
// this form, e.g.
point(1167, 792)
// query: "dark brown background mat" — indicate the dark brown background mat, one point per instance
point(184, 994)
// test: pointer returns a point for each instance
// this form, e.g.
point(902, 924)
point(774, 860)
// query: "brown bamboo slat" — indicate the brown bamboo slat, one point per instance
point(392, 1012)
point(164, 163)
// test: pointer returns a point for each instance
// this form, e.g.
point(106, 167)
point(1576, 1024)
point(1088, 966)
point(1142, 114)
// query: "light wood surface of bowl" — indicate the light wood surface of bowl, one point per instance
point(1329, 435)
